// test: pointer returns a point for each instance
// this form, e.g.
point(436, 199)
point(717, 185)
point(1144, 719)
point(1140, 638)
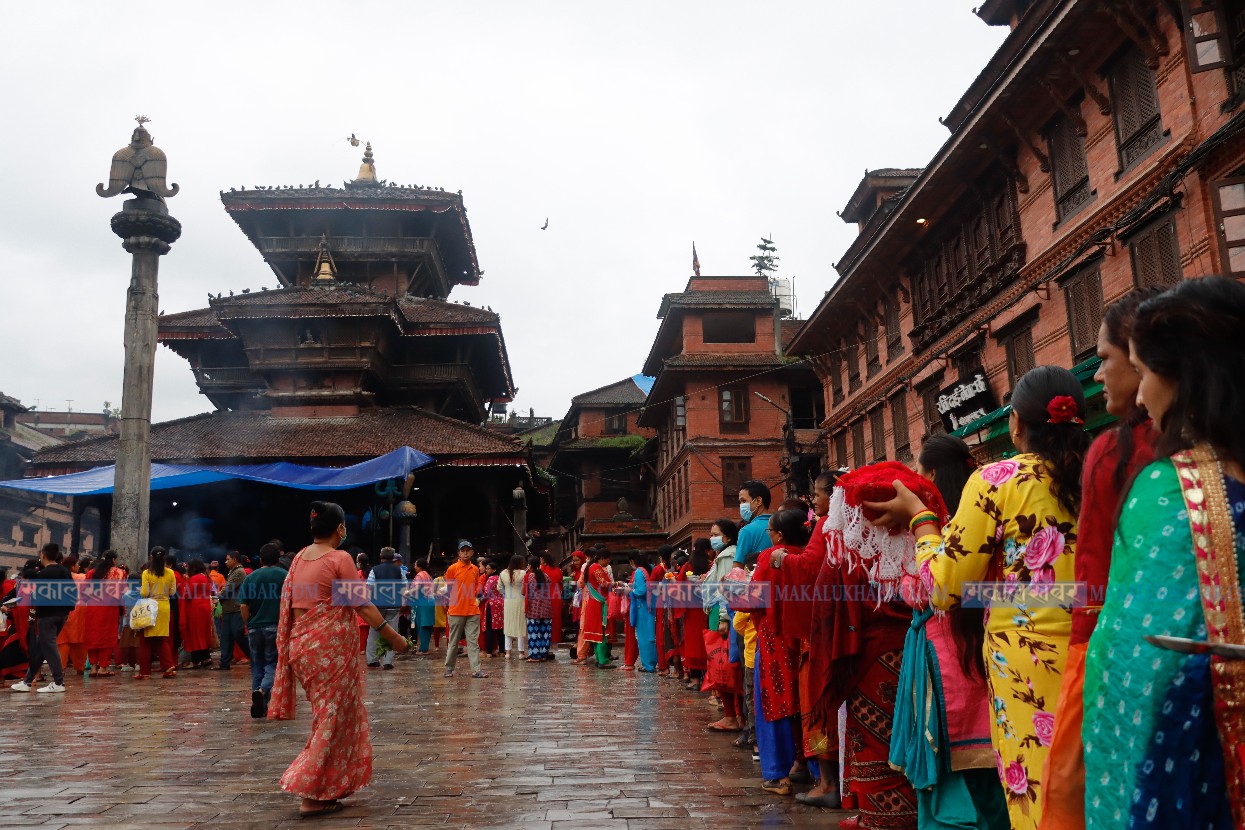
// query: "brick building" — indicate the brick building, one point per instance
point(1093, 153)
point(70, 425)
point(603, 459)
point(727, 404)
point(30, 520)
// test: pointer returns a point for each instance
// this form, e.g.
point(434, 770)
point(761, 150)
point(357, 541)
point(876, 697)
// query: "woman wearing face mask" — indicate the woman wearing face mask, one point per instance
point(1164, 722)
point(722, 543)
point(1112, 461)
point(319, 648)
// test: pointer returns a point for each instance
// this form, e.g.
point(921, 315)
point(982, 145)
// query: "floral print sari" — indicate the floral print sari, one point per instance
point(1011, 528)
point(320, 650)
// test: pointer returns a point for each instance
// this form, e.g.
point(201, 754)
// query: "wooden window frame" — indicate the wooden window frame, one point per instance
point(1148, 134)
point(1218, 56)
point(1164, 267)
point(873, 355)
point(732, 481)
point(1070, 197)
point(836, 379)
point(928, 392)
point(898, 404)
point(1083, 300)
point(733, 409)
point(616, 423)
point(852, 356)
point(894, 334)
point(840, 448)
point(877, 432)
point(1220, 215)
point(1016, 369)
point(859, 459)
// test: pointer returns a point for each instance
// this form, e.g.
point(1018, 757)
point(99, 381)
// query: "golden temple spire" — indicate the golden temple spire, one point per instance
point(367, 170)
point(325, 272)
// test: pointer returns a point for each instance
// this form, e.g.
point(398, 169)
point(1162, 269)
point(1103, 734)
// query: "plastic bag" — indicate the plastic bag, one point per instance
point(721, 675)
point(143, 614)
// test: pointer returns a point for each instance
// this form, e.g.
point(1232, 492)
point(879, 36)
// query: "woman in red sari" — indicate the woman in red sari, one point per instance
point(695, 620)
point(101, 611)
point(318, 646)
point(196, 616)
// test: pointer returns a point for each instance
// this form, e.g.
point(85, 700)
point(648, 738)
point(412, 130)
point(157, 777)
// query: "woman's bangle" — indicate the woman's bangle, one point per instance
point(922, 523)
point(379, 627)
point(921, 518)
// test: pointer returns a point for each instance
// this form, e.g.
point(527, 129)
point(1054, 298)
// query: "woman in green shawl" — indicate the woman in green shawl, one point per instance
point(1164, 730)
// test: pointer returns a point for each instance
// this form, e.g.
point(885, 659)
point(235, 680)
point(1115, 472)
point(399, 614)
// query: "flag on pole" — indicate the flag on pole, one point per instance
point(695, 261)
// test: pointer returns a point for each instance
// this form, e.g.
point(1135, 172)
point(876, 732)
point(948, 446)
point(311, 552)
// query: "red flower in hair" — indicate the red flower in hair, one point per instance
point(1062, 409)
point(314, 514)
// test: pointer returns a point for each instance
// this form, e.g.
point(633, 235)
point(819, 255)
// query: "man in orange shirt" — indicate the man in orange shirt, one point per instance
point(463, 613)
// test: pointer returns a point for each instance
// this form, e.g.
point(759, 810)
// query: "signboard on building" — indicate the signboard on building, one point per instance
point(965, 401)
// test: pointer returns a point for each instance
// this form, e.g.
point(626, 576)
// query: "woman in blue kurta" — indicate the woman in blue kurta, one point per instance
point(642, 618)
point(1164, 731)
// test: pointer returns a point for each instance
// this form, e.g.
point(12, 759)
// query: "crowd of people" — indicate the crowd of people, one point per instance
point(1054, 640)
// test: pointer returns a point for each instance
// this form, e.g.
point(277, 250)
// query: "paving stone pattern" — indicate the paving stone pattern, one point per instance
point(532, 747)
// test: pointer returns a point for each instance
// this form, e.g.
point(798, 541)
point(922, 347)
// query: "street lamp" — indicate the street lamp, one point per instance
point(146, 230)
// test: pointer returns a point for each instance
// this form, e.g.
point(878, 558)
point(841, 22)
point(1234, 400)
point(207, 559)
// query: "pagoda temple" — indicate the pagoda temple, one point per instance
point(356, 353)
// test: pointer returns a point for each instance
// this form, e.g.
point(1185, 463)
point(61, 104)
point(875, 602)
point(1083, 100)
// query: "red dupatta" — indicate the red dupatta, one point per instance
point(780, 663)
point(1214, 544)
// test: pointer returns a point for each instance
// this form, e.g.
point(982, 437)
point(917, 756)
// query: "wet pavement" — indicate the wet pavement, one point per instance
point(545, 747)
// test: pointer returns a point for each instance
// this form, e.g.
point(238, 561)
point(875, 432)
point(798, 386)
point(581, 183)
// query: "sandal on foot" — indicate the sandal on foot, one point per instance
point(328, 807)
point(777, 786)
point(831, 800)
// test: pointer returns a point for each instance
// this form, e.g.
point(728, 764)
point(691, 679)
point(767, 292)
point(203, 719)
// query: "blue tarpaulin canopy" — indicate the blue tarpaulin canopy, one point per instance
point(298, 476)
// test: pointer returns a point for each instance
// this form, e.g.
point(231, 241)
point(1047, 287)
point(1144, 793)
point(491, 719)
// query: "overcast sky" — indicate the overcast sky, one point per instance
point(636, 128)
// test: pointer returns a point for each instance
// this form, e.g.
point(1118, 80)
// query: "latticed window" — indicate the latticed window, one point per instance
point(899, 426)
point(616, 423)
point(858, 444)
point(836, 378)
point(877, 426)
point(873, 360)
point(1156, 255)
point(853, 366)
point(929, 410)
point(1135, 105)
point(894, 337)
point(840, 449)
point(1069, 166)
point(1084, 296)
point(1229, 198)
point(1019, 354)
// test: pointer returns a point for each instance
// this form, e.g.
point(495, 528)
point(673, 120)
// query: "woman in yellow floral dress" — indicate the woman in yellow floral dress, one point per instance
point(1016, 529)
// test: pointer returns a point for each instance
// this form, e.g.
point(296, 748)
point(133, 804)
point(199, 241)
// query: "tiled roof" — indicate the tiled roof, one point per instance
point(343, 294)
point(691, 361)
point(540, 436)
point(11, 404)
point(257, 436)
point(895, 172)
point(243, 199)
point(717, 299)
point(438, 312)
point(622, 393)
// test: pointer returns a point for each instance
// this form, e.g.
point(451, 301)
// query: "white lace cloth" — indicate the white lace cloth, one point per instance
point(887, 556)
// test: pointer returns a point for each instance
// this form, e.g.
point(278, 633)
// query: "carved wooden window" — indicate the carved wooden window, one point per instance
point(894, 337)
point(733, 408)
point(873, 360)
point(877, 426)
point(981, 241)
point(1069, 166)
point(959, 261)
point(1019, 348)
point(836, 378)
point(1083, 293)
point(853, 366)
point(1156, 256)
point(1135, 105)
point(940, 277)
point(922, 304)
point(735, 471)
point(1229, 199)
point(1206, 36)
point(858, 444)
point(929, 408)
point(899, 426)
point(840, 449)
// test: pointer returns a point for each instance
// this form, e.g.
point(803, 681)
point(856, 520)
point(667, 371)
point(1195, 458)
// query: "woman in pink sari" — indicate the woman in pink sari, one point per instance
point(318, 645)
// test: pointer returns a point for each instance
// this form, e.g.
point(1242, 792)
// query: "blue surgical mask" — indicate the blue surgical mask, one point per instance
point(745, 511)
point(717, 543)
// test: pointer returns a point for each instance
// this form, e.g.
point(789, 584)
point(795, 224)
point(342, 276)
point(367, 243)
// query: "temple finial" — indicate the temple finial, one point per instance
point(325, 272)
point(367, 170)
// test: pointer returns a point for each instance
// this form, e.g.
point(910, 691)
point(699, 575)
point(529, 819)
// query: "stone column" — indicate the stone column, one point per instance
point(146, 230)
